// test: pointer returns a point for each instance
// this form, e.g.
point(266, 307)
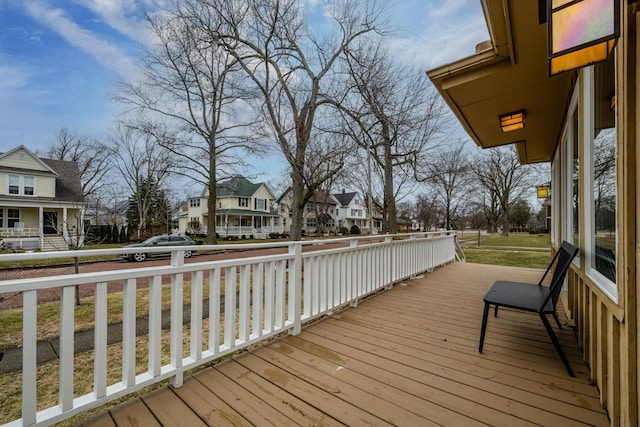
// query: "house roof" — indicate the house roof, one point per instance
point(68, 186)
point(508, 73)
point(344, 198)
point(236, 187)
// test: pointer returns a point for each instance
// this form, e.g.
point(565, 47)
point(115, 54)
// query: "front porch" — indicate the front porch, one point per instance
point(405, 356)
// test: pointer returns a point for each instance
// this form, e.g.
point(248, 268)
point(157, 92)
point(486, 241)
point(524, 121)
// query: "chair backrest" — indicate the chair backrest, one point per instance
point(562, 260)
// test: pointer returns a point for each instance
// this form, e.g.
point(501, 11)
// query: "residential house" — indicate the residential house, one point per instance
point(579, 111)
point(318, 217)
point(41, 201)
point(351, 211)
point(243, 209)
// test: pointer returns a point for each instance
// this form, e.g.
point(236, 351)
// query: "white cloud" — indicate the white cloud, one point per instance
point(121, 15)
point(449, 31)
point(58, 21)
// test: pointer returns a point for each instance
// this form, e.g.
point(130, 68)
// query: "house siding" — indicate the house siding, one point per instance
point(13, 160)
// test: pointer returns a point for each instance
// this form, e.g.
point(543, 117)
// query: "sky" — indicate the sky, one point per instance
point(60, 59)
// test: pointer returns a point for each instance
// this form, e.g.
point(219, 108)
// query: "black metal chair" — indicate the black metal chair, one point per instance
point(529, 297)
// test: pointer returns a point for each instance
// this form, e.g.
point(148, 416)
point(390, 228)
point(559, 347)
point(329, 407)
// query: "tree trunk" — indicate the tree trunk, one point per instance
point(297, 205)
point(389, 214)
point(211, 202)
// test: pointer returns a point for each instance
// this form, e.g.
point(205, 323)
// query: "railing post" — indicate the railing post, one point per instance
point(177, 303)
point(355, 292)
point(295, 288)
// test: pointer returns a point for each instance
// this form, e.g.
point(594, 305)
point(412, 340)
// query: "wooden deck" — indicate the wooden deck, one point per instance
point(405, 357)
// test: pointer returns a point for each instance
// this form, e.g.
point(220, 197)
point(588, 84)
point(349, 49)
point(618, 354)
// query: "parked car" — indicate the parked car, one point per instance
point(163, 240)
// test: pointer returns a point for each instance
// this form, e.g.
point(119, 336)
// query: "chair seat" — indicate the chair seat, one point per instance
point(522, 296)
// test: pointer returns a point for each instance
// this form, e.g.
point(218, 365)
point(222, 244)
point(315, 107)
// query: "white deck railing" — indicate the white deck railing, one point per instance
point(272, 294)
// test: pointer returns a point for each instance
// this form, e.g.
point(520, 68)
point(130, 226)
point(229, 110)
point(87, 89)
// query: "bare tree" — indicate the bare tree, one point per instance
point(398, 112)
point(293, 69)
point(194, 82)
point(505, 180)
point(91, 156)
point(143, 164)
point(449, 174)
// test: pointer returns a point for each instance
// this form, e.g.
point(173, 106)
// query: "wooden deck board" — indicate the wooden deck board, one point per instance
point(403, 357)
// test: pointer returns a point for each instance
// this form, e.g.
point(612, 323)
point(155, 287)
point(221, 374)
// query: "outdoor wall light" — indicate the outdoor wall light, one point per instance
point(512, 121)
point(542, 191)
point(581, 32)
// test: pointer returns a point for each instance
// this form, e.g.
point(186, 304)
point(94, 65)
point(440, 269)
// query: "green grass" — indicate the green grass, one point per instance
point(510, 258)
point(59, 261)
point(516, 250)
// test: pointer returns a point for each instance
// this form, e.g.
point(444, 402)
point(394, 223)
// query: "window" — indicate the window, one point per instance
point(261, 204)
point(600, 178)
point(570, 176)
point(311, 222)
point(1, 218)
point(14, 184)
point(284, 222)
point(283, 208)
point(194, 203)
point(243, 202)
point(13, 216)
point(29, 185)
point(22, 185)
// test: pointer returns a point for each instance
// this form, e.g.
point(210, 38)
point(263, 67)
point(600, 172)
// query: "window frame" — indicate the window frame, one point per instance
point(566, 175)
point(603, 283)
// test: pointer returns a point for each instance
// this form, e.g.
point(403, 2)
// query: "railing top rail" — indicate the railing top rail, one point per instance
point(199, 248)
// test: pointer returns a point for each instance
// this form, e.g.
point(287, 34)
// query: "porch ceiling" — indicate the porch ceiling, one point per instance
point(507, 75)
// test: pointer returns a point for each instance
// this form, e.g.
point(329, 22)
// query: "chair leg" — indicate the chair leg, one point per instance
point(556, 343)
point(484, 326)
point(495, 312)
point(555, 316)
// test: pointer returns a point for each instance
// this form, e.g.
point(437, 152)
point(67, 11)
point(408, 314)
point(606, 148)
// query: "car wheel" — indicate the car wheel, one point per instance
point(187, 254)
point(140, 256)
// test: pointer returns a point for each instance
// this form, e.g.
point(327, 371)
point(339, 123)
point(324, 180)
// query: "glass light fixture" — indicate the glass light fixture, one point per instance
point(512, 121)
point(542, 191)
point(581, 32)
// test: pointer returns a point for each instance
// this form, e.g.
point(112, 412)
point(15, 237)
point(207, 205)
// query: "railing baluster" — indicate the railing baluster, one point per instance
point(257, 290)
point(281, 283)
point(129, 333)
point(100, 342)
point(196, 315)
point(244, 303)
point(66, 348)
point(269, 297)
point(177, 312)
point(29, 352)
point(214, 310)
point(230, 307)
point(155, 325)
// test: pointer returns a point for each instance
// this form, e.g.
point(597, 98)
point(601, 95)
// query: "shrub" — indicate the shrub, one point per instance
point(354, 229)
point(344, 230)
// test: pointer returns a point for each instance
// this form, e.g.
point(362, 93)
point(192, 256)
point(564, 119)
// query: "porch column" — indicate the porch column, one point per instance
point(65, 224)
point(41, 225)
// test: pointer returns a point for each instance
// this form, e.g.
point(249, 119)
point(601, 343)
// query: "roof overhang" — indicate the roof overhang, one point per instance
point(508, 73)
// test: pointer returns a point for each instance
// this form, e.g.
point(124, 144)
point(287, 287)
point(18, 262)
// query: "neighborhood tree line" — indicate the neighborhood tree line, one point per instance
point(226, 81)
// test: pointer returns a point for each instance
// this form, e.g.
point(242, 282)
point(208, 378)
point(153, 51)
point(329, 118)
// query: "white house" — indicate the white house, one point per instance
point(41, 201)
point(351, 210)
point(243, 209)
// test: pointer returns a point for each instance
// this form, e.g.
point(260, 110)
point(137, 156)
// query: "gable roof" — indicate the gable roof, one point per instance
point(345, 198)
point(236, 187)
point(68, 186)
point(31, 154)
